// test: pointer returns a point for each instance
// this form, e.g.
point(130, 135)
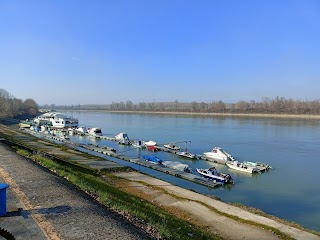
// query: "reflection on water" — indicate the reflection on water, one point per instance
point(290, 146)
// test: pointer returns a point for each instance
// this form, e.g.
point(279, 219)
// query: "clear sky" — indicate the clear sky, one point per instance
point(83, 52)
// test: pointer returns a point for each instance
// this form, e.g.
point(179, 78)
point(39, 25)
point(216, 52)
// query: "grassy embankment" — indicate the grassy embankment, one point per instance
point(151, 218)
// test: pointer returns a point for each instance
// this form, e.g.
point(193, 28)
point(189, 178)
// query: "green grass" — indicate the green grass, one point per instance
point(166, 225)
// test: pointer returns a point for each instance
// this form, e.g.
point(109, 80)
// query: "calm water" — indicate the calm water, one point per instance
point(290, 191)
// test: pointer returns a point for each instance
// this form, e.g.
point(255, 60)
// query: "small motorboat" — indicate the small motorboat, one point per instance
point(171, 146)
point(261, 166)
point(242, 167)
point(138, 144)
point(187, 155)
point(213, 174)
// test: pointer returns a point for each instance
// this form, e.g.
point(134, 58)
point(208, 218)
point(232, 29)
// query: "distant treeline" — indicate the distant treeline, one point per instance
point(278, 105)
point(12, 107)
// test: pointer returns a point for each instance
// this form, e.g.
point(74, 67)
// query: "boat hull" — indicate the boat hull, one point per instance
point(206, 173)
point(242, 168)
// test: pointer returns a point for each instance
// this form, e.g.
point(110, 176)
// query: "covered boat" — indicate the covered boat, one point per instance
point(153, 159)
point(150, 143)
point(218, 155)
point(213, 174)
point(177, 166)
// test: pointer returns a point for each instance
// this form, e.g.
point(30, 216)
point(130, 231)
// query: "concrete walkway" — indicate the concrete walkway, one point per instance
point(41, 205)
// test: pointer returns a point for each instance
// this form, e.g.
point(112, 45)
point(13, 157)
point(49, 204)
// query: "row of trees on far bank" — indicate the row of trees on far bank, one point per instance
point(278, 105)
point(12, 107)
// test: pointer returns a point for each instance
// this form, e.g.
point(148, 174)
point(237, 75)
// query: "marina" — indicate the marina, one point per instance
point(150, 164)
point(280, 143)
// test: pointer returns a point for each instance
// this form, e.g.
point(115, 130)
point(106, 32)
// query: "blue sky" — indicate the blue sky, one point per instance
point(83, 52)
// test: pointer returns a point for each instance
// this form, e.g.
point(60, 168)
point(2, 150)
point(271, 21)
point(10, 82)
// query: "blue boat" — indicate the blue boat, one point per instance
point(152, 159)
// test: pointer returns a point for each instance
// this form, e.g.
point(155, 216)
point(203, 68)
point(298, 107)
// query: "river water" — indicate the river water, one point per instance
point(291, 146)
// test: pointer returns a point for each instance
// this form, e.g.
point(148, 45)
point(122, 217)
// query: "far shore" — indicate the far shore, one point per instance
point(253, 115)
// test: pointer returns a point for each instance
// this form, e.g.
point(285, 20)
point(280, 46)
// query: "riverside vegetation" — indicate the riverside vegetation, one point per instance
point(101, 186)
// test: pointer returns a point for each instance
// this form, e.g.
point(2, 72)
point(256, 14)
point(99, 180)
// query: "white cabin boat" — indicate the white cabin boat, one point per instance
point(171, 146)
point(122, 138)
point(81, 130)
point(95, 132)
point(242, 167)
point(218, 155)
point(56, 120)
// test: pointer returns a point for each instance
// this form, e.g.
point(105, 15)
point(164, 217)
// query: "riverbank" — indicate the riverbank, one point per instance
point(218, 218)
point(244, 115)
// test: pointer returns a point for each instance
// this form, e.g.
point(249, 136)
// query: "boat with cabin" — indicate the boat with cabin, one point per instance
point(213, 174)
point(81, 130)
point(242, 167)
point(172, 146)
point(56, 120)
point(123, 138)
point(95, 132)
point(218, 155)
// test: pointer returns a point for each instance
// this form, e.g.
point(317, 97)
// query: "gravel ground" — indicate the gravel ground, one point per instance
point(51, 208)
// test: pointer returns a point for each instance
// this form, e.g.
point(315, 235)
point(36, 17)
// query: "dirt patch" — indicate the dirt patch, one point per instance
point(195, 213)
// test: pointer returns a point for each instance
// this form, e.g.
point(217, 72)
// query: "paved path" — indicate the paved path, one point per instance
point(41, 205)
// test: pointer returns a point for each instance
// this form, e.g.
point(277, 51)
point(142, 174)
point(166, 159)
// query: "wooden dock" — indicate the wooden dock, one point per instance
point(103, 150)
point(184, 175)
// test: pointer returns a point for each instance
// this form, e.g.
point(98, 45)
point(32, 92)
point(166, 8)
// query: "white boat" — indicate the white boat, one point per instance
point(218, 155)
point(171, 146)
point(56, 120)
point(213, 174)
point(95, 132)
point(261, 166)
point(150, 143)
point(177, 166)
point(138, 144)
point(122, 138)
point(81, 130)
point(242, 167)
point(187, 155)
